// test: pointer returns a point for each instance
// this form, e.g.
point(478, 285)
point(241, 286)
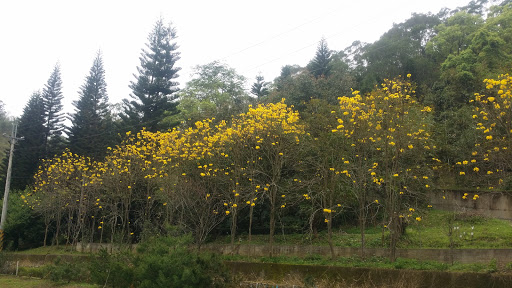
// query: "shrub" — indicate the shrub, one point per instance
point(61, 271)
point(166, 262)
point(160, 262)
point(112, 270)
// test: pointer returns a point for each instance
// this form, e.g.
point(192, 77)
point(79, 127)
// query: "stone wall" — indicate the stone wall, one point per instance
point(491, 204)
point(502, 256)
point(96, 247)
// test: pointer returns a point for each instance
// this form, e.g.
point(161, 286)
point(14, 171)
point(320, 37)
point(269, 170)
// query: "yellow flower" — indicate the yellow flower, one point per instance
point(418, 219)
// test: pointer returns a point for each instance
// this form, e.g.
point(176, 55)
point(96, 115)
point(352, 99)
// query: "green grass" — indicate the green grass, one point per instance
point(22, 282)
point(431, 232)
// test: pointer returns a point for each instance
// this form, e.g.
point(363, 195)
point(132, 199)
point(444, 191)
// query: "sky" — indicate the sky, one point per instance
point(253, 37)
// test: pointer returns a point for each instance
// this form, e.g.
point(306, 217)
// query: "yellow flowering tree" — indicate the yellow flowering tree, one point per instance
point(490, 159)
point(389, 135)
point(63, 188)
point(402, 130)
point(272, 132)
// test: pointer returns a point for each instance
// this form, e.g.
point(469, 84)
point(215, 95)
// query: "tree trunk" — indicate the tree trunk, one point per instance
point(57, 230)
point(45, 233)
point(273, 195)
point(233, 229)
point(251, 210)
point(329, 235)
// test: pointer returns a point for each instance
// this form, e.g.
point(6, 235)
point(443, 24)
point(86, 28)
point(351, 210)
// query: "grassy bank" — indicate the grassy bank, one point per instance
point(371, 262)
point(437, 229)
point(24, 282)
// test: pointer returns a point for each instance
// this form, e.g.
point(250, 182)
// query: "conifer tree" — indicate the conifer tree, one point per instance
point(259, 88)
point(29, 151)
point(5, 127)
point(91, 128)
point(54, 117)
point(154, 89)
point(321, 64)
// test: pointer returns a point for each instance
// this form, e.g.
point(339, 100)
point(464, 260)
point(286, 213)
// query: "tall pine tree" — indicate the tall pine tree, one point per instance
point(321, 64)
point(29, 152)
point(260, 87)
point(54, 117)
point(154, 90)
point(91, 130)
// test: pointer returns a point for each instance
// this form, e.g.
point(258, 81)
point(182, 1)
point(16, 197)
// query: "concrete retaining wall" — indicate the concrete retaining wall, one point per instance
point(364, 277)
point(502, 256)
point(491, 204)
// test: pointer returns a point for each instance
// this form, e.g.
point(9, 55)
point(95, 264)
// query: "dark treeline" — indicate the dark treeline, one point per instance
point(446, 56)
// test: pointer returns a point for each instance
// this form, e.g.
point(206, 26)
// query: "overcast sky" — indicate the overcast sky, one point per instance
point(250, 36)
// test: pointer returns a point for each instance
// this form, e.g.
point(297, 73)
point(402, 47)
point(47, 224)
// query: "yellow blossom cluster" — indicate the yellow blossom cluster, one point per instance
point(493, 120)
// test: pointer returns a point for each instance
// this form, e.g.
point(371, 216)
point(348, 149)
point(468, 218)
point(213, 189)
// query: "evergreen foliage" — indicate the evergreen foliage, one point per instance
point(91, 130)
point(321, 64)
point(54, 117)
point(154, 90)
point(260, 87)
point(31, 150)
point(5, 127)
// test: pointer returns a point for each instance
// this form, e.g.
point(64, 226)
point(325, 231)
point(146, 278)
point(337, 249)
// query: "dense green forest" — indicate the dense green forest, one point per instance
point(357, 137)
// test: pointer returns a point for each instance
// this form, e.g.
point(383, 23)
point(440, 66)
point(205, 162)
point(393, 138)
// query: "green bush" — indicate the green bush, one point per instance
point(59, 271)
point(112, 270)
point(38, 272)
point(166, 262)
point(160, 262)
